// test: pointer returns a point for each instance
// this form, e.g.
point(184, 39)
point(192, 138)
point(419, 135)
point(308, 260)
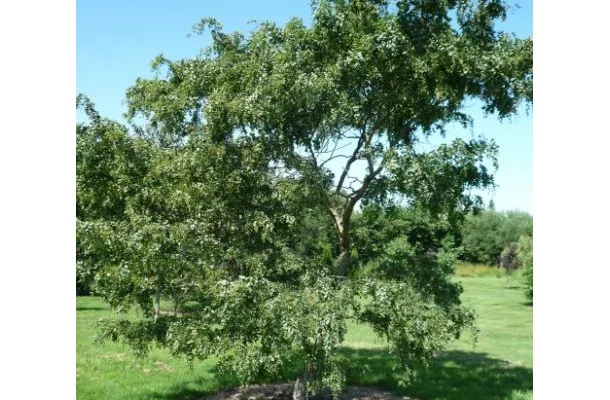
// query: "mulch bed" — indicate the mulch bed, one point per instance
point(283, 391)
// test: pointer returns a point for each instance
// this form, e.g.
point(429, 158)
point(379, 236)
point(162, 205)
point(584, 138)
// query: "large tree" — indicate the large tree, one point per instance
point(263, 131)
point(362, 84)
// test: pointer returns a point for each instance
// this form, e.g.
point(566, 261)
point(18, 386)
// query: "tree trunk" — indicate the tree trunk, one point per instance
point(343, 261)
point(157, 303)
point(300, 388)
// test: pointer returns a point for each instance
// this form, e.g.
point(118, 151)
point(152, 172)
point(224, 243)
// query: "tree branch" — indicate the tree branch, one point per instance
point(360, 193)
point(333, 158)
point(369, 160)
point(313, 155)
point(349, 163)
point(336, 220)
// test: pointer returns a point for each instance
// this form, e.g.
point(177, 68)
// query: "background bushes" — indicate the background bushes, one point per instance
point(487, 233)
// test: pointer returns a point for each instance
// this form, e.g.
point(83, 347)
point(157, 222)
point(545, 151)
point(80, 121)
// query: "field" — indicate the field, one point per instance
point(499, 367)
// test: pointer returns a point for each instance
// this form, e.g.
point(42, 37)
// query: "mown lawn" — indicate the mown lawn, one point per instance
point(498, 368)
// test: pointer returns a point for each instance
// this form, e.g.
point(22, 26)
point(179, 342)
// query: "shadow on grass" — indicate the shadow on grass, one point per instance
point(455, 375)
point(180, 393)
point(201, 387)
point(85, 308)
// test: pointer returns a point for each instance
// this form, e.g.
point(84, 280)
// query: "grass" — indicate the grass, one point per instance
point(109, 370)
point(498, 368)
point(470, 270)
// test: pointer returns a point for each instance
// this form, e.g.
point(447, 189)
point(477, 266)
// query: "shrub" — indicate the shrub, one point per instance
point(508, 258)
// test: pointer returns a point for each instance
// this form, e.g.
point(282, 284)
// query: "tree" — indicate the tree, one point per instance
point(240, 143)
point(361, 74)
point(508, 259)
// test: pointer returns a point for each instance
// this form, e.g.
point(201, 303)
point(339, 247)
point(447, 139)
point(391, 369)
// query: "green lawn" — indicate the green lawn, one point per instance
point(498, 368)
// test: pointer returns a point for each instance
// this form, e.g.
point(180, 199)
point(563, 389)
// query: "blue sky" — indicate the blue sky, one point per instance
point(117, 39)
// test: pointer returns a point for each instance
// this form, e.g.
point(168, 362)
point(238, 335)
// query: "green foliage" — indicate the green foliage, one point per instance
point(415, 327)
point(217, 201)
point(529, 283)
point(481, 239)
point(526, 259)
point(182, 220)
point(499, 367)
point(83, 286)
point(525, 249)
point(517, 224)
point(487, 233)
point(381, 75)
point(109, 168)
point(407, 245)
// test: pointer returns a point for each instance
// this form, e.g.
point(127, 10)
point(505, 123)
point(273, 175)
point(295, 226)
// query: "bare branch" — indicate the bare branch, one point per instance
point(360, 192)
point(349, 163)
point(334, 149)
point(355, 179)
point(368, 137)
point(333, 158)
point(323, 146)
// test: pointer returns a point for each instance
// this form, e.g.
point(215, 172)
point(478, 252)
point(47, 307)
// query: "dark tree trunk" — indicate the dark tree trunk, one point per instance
point(343, 261)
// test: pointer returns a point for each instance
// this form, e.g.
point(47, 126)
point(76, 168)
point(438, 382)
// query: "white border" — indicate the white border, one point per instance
point(37, 163)
point(571, 201)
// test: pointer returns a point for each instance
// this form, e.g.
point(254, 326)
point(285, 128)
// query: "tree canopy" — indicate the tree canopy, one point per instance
point(211, 202)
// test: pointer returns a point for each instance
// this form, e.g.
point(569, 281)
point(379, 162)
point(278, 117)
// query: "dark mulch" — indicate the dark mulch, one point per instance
point(283, 391)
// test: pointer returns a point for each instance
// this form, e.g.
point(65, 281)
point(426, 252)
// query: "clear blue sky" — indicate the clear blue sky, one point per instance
point(117, 39)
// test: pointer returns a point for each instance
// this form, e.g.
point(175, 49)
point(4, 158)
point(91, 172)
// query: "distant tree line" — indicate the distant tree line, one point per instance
point(486, 234)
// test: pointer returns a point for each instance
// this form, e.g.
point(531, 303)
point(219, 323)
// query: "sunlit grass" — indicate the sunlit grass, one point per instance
point(497, 367)
point(470, 270)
